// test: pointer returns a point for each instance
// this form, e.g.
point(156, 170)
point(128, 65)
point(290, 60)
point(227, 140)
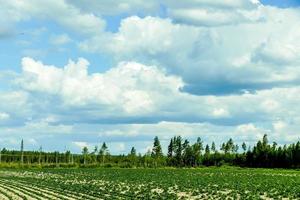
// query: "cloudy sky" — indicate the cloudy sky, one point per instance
point(74, 74)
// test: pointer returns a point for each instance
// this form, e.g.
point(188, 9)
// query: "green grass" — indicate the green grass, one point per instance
point(202, 183)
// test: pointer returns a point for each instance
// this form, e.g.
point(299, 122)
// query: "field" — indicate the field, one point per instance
point(203, 183)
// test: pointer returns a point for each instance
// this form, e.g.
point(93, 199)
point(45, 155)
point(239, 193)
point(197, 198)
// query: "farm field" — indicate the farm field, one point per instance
point(110, 183)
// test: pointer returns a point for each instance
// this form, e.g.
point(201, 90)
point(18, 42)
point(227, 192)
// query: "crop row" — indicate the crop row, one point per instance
point(206, 183)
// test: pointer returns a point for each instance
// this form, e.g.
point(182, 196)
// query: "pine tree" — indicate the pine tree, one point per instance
point(229, 147)
point(197, 150)
point(156, 150)
point(22, 151)
point(244, 147)
point(236, 148)
point(103, 152)
point(207, 150)
point(40, 155)
point(170, 149)
point(265, 140)
point(223, 148)
point(213, 147)
point(132, 156)
point(178, 151)
point(132, 152)
point(85, 152)
point(94, 154)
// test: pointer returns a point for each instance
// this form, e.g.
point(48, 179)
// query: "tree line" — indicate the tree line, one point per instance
point(180, 153)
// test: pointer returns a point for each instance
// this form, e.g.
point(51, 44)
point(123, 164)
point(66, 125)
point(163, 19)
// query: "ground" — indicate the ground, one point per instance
point(201, 183)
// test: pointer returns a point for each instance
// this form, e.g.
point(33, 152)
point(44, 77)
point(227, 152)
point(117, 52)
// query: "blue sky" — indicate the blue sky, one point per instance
point(74, 74)
point(282, 3)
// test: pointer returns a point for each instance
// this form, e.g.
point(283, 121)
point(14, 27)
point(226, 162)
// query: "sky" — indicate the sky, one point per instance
point(74, 74)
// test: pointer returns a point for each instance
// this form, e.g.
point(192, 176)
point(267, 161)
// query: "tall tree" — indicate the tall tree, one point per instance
point(213, 147)
point(244, 147)
point(40, 154)
point(22, 151)
point(178, 150)
point(223, 148)
point(236, 148)
point(132, 156)
point(207, 150)
point(85, 152)
point(229, 147)
point(156, 150)
point(133, 151)
point(197, 150)
point(103, 152)
point(265, 140)
point(170, 149)
point(94, 154)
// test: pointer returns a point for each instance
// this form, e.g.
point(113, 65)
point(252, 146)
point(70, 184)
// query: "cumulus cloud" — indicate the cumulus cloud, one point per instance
point(81, 145)
point(59, 11)
point(60, 39)
point(107, 7)
point(4, 116)
point(133, 92)
point(215, 69)
point(128, 93)
point(129, 87)
point(212, 60)
point(207, 13)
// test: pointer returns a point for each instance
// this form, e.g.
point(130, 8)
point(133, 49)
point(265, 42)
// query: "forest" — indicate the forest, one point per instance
point(180, 153)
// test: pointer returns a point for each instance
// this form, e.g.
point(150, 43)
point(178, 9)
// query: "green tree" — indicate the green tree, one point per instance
point(40, 155)
point(22, 151)
point(103, 152)
point(132, 156)
point(207, 150)
point(156, 150)
point(178, 152)
point(197, 149)
point(94, 154)
point(213, 147)
point(133, 151)
point(244, 147)
point(156, 153)
point(236, 148)
point(223, 148)
point(85, 152)
point(170, 149)
point(229, 147)
point(68, 156)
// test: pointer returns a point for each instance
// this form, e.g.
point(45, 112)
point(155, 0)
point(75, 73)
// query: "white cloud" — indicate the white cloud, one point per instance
point(4, 116)
point(220, 112)
point(15, 106)
point(270, 105)
point(229, 4)
point(211, 60)
point(81, 144)
point(214, 13)
point(39, 77)
point(43, 127)
point(135, 90)
point(118, 146)
point(108, 7)
point(279, 125)
point(60, 39)
point(59, 11)
point(145, 37)
point(175, 72)
point(131, 87)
